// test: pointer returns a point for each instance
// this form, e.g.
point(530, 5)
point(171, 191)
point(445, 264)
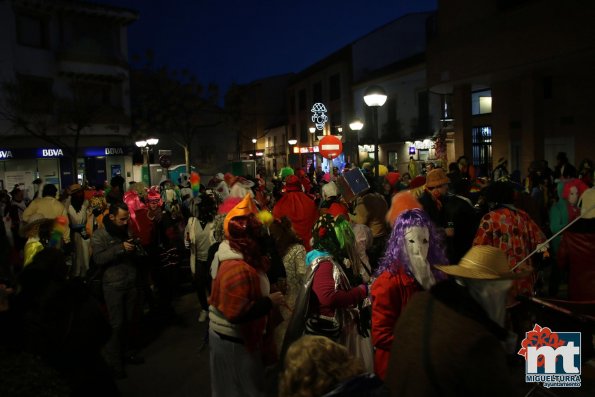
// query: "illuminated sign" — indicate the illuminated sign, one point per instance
point(113, 150)
point(305, 149)
point(411, 149)
point(50, 153)
point(319, 117)
point(103, 151)
point(6, 154)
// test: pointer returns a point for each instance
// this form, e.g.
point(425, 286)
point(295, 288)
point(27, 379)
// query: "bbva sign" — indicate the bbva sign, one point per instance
point(6, 154)
point(51, 153)
point(113, 150)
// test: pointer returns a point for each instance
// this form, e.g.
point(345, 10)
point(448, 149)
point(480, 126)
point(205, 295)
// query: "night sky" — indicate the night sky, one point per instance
point(225, 41)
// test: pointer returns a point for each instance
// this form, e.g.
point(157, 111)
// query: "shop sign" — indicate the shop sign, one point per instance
point(6, 154)
point(305, 149)
point(103, 151)
point(113, 151)
point(50, 153)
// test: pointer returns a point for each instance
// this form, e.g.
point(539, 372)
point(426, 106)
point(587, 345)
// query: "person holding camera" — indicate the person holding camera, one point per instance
point(115, 253)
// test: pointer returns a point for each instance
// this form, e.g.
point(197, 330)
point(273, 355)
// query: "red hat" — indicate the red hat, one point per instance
point(293, 184)
point(154, 196)
point(392, 178)
point(418, 181)
point(337, 209)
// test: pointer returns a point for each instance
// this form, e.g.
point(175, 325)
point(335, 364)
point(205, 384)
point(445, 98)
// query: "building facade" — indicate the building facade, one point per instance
point(519, 77)
point(65, 95)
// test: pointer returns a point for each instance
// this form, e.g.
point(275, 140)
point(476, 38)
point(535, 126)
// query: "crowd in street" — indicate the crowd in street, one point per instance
point(341, 282)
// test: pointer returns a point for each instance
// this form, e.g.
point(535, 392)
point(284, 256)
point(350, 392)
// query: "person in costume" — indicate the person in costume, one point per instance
point(511, 230)
point(450, 339)
point(434, 195)
point(576, 251)
point(413, 247)
point(332, 302)
point(78, 212)
point(298, 207)
point(239, 305)
point(99, 210)
point(238, 186)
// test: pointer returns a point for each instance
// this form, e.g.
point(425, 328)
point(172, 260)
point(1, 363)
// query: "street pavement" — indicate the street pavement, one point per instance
point(175, 364)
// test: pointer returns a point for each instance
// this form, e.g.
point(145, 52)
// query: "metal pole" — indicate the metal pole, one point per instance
point(376, 159)
point(148, 164)
point(543, 245)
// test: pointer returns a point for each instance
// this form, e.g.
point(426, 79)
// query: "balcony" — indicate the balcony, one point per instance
point(274, 151)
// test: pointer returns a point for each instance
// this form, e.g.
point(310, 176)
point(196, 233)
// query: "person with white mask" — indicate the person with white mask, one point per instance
point(414, 245)
point(451, 338)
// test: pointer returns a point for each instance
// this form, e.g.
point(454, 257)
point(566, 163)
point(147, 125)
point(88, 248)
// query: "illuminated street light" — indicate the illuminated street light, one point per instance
point(375, 97)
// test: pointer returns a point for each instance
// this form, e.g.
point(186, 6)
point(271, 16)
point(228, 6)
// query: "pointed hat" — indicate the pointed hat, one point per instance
point(243, 208)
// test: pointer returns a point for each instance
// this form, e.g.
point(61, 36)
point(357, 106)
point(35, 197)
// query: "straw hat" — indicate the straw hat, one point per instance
point(587, 204)
point(483, 262)
point(436, 177)
point(74, 188)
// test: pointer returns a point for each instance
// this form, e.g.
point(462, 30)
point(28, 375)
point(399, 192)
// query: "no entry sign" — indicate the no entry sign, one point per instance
point(330, 146)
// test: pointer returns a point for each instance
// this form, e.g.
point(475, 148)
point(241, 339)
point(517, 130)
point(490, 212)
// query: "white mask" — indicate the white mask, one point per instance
point(573, 196)
point(491, 295)
point(417, 244)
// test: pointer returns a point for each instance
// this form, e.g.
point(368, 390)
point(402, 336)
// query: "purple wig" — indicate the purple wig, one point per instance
point(396, 253)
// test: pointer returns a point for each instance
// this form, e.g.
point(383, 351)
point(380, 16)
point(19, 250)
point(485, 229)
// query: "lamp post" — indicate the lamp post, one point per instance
point(145, 146)
point(375, 97)
point(356, 125)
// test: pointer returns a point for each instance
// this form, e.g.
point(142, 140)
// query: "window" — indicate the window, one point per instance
point(446, 113)
point(393, 159)
point(302, 101)
point(94, 93)
point(32, 31)
point(335, 86)
point(481, 102)
point(317, 92)
point(481, 138)
point(36, 94)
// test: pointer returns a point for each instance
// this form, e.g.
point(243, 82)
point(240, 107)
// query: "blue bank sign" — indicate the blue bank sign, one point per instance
point(6, 154)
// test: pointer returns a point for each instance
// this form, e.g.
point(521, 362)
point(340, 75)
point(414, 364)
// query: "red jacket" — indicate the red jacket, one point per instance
point(390, 293)
point(576, 256)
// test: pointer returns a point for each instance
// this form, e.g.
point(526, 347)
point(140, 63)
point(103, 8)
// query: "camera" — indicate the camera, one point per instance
point(138, 247)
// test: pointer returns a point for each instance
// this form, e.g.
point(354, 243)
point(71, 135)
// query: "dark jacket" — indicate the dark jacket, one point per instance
point(465, 220)
point(109, 253)
point(436, 214)
point(446, 345)
point(364, 385)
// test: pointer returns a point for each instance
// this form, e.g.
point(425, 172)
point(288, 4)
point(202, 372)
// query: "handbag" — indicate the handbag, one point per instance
point(323, 326)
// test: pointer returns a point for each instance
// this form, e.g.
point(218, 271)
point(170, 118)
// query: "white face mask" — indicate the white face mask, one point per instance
point(417, 244)
point(573, 195)
point(491, 295)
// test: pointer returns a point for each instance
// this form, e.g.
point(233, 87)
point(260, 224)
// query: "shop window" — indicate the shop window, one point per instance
point(481, 102)
point(393, 159)
point(482, 149)
point(335, 87)
point(32, 31)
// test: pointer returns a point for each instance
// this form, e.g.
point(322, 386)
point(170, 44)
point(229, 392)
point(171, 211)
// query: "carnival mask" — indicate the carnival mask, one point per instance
point(417, 244)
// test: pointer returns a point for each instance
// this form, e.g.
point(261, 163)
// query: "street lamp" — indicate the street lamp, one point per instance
point(375, 97)
point(292, 141)
point(145, 146)
point(356, 125)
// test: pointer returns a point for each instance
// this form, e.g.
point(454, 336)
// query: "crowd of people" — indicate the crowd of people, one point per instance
point(335, 286)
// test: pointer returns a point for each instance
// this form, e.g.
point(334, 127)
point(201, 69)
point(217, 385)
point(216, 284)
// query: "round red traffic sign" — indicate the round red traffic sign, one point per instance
point(330, 147)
